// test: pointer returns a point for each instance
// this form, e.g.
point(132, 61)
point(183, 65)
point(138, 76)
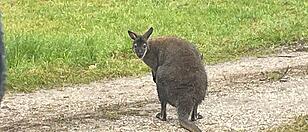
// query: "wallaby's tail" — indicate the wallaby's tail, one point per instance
point(183, 109)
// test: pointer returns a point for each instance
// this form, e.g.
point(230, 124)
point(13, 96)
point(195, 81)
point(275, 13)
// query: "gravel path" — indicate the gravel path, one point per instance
point(250, 94)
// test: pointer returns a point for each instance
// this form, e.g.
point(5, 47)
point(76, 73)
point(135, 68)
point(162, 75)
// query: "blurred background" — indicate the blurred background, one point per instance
point(53, 43)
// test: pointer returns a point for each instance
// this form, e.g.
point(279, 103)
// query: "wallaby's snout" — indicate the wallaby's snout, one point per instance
point(140, 52)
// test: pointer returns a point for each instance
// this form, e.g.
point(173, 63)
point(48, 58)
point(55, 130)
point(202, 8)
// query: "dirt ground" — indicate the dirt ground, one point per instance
point(251, 94)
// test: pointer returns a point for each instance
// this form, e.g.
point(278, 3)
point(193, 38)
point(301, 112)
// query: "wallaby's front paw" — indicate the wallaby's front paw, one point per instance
point(159, 116)
point(198, 116)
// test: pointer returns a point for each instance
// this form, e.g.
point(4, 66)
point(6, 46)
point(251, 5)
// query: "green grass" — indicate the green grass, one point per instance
point(299, 125)
point(51, 43)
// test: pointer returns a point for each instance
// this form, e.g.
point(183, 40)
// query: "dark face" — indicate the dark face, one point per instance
point(140, 45)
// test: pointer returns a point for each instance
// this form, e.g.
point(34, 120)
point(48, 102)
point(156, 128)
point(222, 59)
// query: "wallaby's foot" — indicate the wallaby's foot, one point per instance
point(196, 117)
point(163, 114)
point(160, 116)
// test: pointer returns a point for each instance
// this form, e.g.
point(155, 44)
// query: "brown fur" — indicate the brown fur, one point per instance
point(177, 62)
point(180, 77)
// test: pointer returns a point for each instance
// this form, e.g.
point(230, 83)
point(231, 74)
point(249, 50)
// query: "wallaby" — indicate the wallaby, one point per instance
point(2, 63)
point(179, 74)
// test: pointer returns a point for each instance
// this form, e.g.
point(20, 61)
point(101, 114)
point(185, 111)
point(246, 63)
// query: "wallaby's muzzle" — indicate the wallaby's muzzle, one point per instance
point(141, 52)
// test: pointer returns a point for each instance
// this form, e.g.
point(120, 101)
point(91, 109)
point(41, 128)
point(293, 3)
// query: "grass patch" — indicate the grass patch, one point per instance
point(299, 125)
point(51, 43)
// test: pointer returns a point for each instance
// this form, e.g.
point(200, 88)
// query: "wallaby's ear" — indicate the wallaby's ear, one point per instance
point(132, 35)
point(148, 33)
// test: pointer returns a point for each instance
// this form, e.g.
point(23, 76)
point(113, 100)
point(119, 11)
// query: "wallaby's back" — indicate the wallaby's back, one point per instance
point(181, 69)
point(180, 78)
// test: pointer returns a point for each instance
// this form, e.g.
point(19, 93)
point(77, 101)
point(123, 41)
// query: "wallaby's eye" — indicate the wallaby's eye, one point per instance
point(135, 45)
point(144, 45)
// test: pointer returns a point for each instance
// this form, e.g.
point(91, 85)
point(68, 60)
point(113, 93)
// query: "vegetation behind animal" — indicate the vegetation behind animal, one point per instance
point(52, 43)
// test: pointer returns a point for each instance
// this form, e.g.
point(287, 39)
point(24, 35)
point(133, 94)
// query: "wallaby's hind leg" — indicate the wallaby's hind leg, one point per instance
point(162, 96)
point(184, 108)
point(195, 115)
point(163, 114)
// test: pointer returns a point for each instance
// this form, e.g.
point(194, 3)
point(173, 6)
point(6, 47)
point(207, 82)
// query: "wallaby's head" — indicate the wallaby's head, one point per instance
point(140, 42)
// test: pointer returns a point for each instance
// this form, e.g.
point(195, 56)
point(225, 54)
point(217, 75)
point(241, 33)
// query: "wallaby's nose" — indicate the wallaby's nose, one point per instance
point(139, 53)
